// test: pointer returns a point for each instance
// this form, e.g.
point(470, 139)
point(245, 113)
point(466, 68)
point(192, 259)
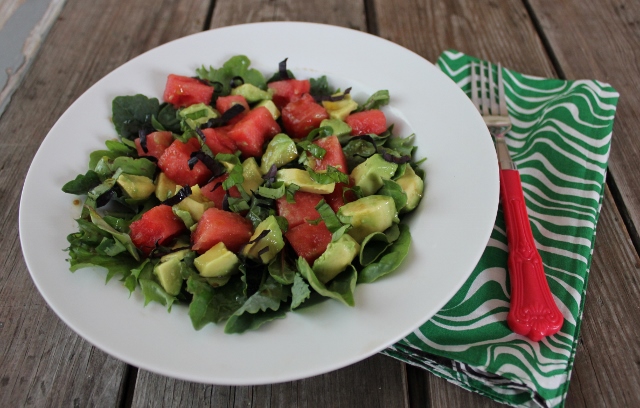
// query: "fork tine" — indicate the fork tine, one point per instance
point(492, 92)
point(501, 95)
point(483, 90)
point(474, 86)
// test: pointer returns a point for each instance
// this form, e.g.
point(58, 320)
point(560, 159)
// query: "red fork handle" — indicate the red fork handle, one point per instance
point(533, 312)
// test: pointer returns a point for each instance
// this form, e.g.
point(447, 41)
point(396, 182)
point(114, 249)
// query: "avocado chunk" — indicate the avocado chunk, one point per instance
point(369, 174)
point(168, 271)
point(280, 151)
point(302, 179)
point(271, 107)
point(198, 114)
point(413, 187)
point(165, 187)
point(272, 241)
point(342, 108)
point(252, 176)
point(374, 213)
point(340, 128)
point(336, 258)
point(196, 204)
point(136, 187)
point(252, 93)
point(217, 261)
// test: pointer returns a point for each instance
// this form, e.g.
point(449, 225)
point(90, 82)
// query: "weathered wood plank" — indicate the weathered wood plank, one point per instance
point(600, 39)
point(375, 382)
point(43, 362)
point(607, 365)
point(429, 27)
point(499, 31)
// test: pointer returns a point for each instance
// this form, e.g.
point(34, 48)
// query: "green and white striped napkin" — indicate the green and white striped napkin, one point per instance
point(560, 142)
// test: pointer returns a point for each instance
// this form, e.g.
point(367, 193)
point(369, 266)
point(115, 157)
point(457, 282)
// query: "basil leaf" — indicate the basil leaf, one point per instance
point(328, 216)
point(332, 175)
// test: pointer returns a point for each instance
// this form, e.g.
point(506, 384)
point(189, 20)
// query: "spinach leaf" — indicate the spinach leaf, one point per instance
point(392, 189)
point(168, 118)
point(375, 244)
point(340, 288)
point(132, 113)
point(392, 258)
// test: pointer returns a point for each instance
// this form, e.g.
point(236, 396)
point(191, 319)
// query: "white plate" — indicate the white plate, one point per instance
point(450, 229)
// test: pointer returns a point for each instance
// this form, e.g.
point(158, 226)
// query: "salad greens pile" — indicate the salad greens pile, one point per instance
point(259, 292)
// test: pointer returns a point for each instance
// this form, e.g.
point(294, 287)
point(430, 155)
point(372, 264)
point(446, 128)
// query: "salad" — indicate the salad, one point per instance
point(246, 197)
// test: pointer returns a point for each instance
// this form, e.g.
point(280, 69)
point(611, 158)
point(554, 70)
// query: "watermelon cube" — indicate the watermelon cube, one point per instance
point(334, 155)
point(286, 90)
point(308, 240)
point(181, 91)
point(303, 209)
point(218, 140)
point(156, 144)
point(253, 130)
point(217, 226)
point(214, 191)
point(366, 122)
point(156, 227)
point(174, 163)
point(302, 115)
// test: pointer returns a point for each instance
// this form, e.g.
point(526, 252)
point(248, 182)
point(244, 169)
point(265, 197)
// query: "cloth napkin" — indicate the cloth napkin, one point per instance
point(560, 142)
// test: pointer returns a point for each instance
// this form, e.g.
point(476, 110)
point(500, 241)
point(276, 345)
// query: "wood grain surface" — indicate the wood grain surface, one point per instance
point(43, 363)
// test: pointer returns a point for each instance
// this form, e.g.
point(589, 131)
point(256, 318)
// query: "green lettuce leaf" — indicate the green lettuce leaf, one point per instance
point(237, 66)
point(299, 291)
point(212, 305)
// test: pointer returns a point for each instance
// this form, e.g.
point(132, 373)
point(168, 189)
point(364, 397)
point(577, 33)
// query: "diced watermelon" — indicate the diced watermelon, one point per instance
point(308, 240)
point(339, 197)
point(156, 227)
point(365, 122)
point(218, 140)
point(334, 155)
point(303, 209)
point(183, 91)
point(284, 91)
point(217, 226)
point(255, 128)
point(174, 162)
point(223, 103)
point(302, 115)
point(214, 191)
point(157, 143)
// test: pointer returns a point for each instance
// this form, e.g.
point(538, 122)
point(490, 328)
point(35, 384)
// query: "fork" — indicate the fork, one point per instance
point(533, 311)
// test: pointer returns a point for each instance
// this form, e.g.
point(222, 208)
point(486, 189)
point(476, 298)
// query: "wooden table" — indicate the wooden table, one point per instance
point(44, 363)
